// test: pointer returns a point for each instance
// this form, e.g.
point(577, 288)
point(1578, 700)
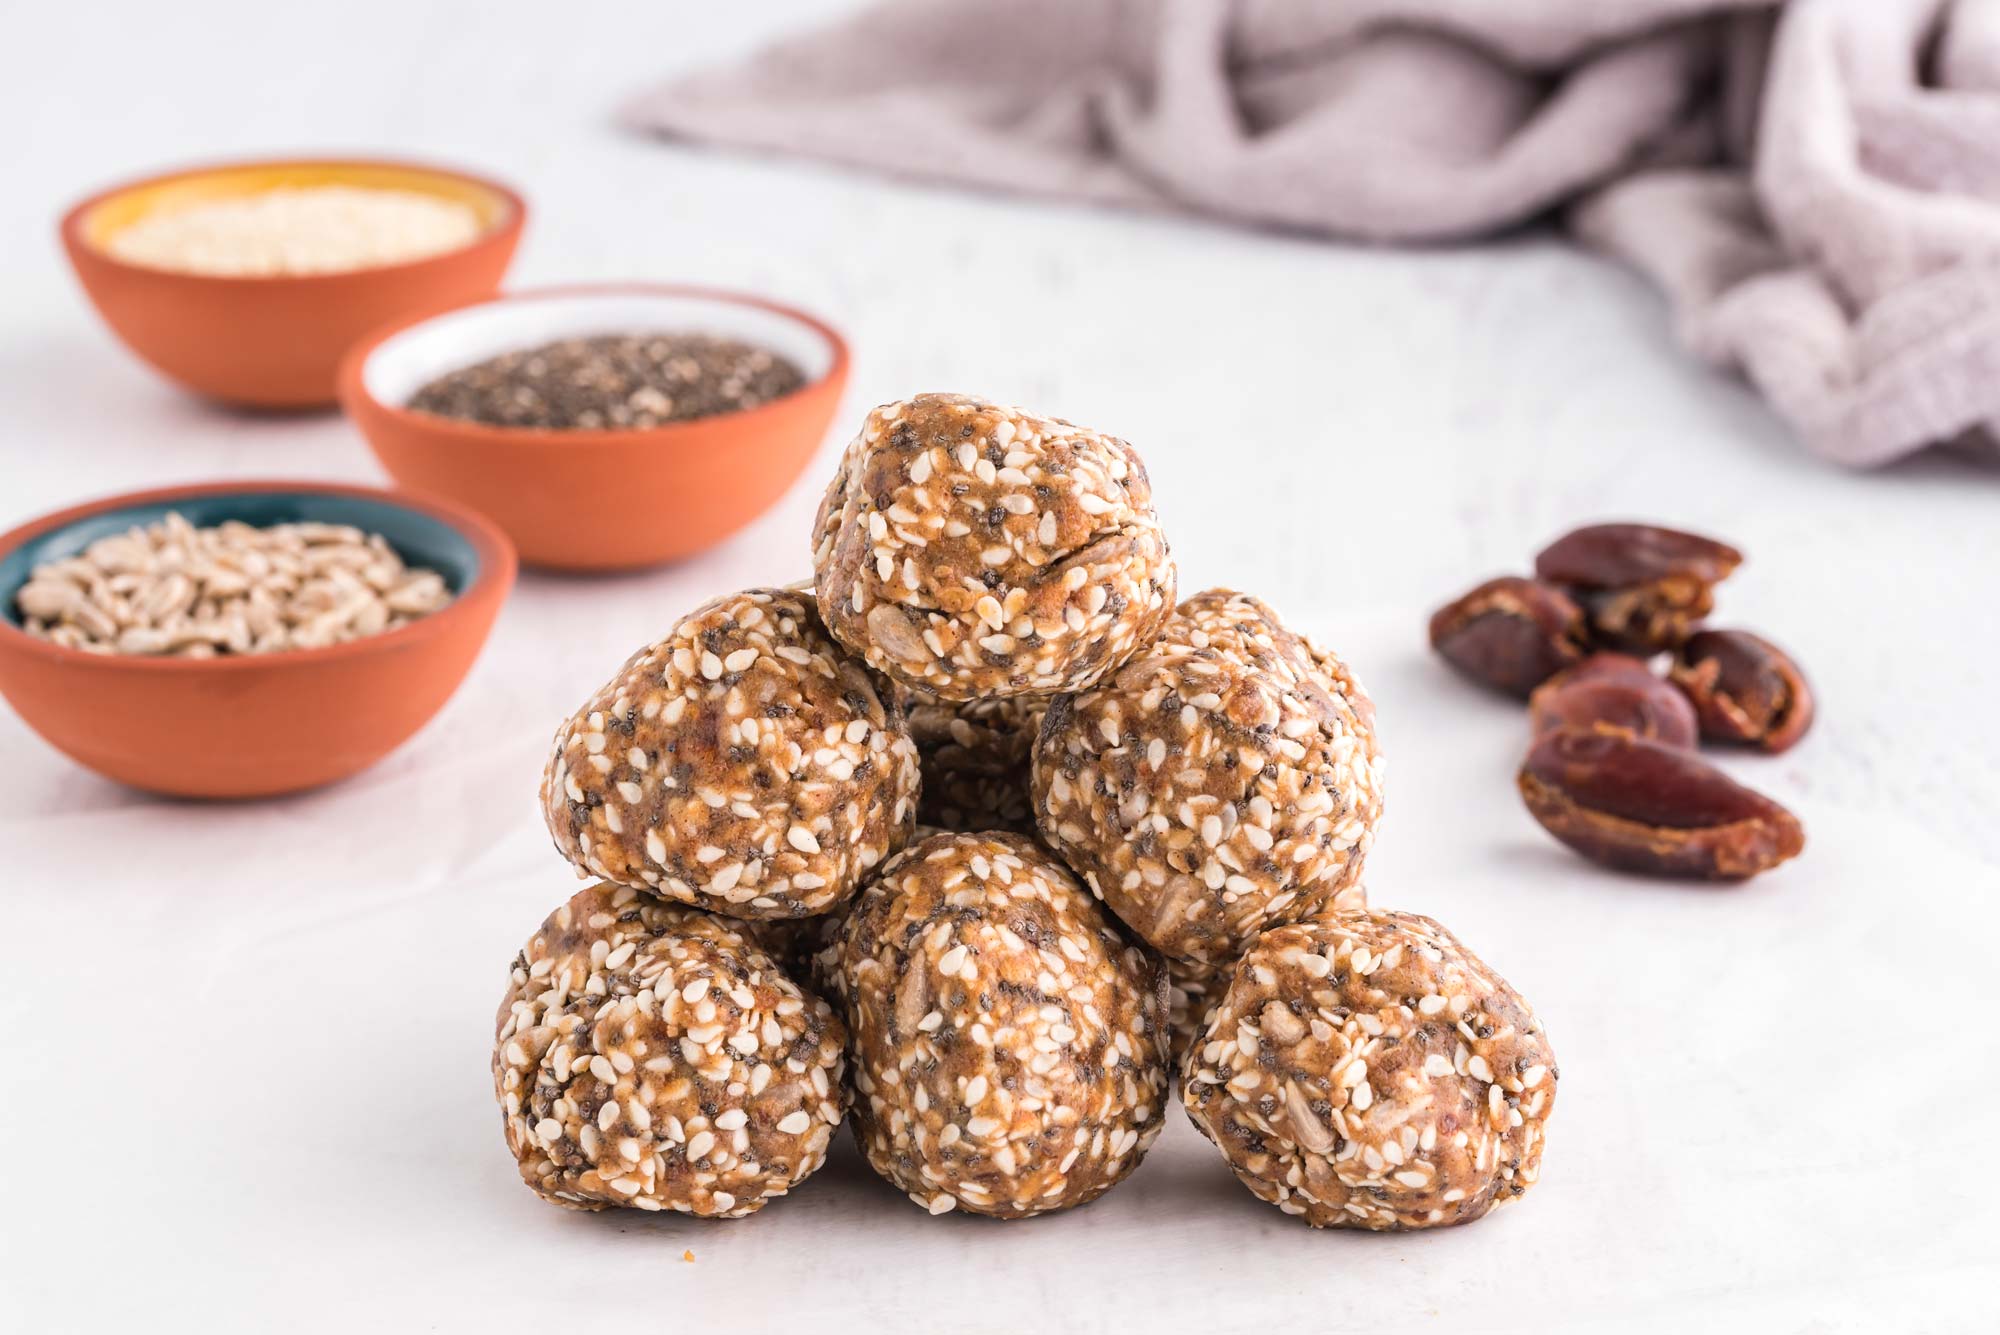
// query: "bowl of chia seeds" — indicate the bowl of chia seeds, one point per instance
point(603, 428)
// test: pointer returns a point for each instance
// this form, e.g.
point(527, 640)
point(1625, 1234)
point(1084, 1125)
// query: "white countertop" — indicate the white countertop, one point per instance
point(247, 1082)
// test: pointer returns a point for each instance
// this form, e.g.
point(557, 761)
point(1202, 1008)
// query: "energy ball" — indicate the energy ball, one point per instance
point(1365, 1070)
point(651, 1056)
point(1226, 780)
point(789, 941)
point(816, 942)
point(1192, 988)
point(984, 551)
point(742, 764)
point(1010, 1052)
point(975, 759)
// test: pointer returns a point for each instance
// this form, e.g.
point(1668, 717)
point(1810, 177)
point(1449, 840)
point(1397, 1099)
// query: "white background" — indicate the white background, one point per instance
point(245, 1086)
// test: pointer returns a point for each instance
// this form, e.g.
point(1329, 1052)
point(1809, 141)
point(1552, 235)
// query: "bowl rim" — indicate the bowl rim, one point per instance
point(498, 568)
point(514, 212)
point(352, 385)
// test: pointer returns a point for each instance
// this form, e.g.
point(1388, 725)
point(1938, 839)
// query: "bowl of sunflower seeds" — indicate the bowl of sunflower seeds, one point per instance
point(244, 639)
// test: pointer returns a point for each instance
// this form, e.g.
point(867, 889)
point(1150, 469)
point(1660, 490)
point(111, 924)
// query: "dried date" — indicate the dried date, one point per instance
point(1641, 806)
point(1510, 633)
point(1744, 689)
point(1614, 693)
point(1645, 588)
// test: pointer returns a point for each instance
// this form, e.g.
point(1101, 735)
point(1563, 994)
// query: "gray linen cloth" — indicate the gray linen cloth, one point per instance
point(1815, 186)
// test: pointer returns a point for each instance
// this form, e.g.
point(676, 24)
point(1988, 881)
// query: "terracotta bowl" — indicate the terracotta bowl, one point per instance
point(597, 500)
point(254, 725)
point(276, 342)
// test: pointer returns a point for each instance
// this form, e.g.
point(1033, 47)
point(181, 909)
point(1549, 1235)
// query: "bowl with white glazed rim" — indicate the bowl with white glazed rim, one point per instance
point(597, 500)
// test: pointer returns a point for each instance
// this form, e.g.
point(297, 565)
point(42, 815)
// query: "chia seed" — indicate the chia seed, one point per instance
point(612, 382)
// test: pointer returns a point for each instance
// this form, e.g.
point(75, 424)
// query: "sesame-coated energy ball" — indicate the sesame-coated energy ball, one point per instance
point(651, 1056)
point(983, 551)
point(1009, 1046)
point(1193, 987)
point(789, 941)
point(1226, 780)
point(975, 759)
point(1365, 1070)
point(815, 943)
point(743, 764)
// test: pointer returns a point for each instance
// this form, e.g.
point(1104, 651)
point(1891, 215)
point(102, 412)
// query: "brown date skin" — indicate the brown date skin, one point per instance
point(1644, 587)
point(1510, 633)
point(1605, 665)
point(1640, 806)
point(1744, 689)
point(1614, 693)
point(1618, 556)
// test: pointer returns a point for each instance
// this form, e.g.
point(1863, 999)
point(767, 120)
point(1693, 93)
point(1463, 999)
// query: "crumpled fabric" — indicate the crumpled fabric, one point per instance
point(1814, 186)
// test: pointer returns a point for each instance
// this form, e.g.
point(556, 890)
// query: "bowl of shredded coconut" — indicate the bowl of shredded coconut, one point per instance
point(247, 282)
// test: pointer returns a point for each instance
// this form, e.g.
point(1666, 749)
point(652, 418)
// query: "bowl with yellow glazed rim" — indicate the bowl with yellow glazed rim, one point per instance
point(275, 341)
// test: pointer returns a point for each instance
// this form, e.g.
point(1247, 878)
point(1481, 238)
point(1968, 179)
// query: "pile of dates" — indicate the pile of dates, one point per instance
point(1612, 770)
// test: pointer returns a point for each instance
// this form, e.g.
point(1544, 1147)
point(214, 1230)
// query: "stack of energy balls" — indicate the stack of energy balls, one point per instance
point(989, 846)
